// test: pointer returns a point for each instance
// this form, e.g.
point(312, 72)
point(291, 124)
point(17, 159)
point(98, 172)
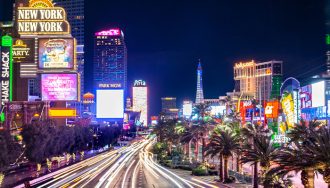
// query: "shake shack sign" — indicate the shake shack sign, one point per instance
point(5, 74)
point(42, 21)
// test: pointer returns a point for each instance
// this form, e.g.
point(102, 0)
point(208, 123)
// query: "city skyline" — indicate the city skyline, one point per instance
point(304, 24)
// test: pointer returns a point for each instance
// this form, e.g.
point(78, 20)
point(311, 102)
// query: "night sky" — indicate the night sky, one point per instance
point(165, 39)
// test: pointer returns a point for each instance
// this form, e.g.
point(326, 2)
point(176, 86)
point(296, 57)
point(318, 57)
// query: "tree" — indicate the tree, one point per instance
point(226, 144)
point(306, 150)
point(249, 131)
point(9, 152)
point(261, 152)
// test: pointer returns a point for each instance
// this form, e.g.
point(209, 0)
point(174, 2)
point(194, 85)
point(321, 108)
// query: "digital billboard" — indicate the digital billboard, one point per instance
point(59, 87)
point(110, 104)
point(318, 94)
point(271, 109)
point(56, 53)
point(140, 103)
point(288, 109)
point(217, 110)
point(306, 96)
point(187, 108)
point(23, 50)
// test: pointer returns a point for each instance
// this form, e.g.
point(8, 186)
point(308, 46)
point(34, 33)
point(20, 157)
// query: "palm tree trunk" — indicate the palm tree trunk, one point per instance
point(225, 169)
point(238, 169)
point(197, 151)
point(310, 177)
point(203, 149)
point(221, 168)
point(255, 175)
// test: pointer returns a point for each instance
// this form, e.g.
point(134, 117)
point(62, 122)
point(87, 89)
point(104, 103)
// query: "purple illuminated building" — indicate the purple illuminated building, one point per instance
point(110, 59)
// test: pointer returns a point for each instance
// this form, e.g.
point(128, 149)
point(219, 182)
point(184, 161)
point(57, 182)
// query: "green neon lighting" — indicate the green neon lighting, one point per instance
point(7, 41)
point(2, 117)
point(327, 39)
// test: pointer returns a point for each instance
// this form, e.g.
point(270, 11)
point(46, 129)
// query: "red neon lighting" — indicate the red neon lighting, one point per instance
point(111, 32)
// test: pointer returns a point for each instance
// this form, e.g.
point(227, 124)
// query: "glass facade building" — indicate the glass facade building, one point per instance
point(110, 60)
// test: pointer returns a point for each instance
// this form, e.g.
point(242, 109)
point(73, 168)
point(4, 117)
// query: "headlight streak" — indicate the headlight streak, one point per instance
point(124, 179)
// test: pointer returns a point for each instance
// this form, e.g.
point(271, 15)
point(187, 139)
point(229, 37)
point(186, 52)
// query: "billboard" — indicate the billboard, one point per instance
point(271, 109)
point(187, 109)
point(56, 53)
point(318, 94)
point(23, 50)
point(59, 87)
point(218, 110)
point(288, 109)
point(140, 103)
point(306, 96)
point(62, 112)
point(110, 104)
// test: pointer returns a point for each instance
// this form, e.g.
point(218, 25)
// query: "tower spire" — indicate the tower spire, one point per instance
point(199, 91)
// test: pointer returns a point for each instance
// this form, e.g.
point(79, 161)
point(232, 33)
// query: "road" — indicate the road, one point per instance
point(128, 167)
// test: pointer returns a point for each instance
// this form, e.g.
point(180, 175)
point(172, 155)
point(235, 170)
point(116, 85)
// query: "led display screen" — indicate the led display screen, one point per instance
point(217, 110)
point(318, 94)
point(140, 103)
point(187, 109)
point(56, 53)
point(110, 104)
point(59, 87)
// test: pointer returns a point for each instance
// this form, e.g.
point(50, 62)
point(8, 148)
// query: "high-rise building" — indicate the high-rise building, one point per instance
point(140, 100)
point(75, 16)
point(260, 81)
point(199, 90)
point(110, 59)
point(169, 109)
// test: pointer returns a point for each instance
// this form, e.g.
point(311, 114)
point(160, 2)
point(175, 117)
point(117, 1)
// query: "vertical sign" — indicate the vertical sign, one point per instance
point(6, 69)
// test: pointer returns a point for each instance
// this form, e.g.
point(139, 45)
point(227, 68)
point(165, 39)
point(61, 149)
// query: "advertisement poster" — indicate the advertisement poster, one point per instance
point(56, 53)
point(306, 96)
point(23, 51)
point(59, 87)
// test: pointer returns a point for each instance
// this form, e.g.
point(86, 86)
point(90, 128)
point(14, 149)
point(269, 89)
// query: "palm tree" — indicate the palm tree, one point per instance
point(295, 159)
point(225, 144)
point(308, 147)
point(249, 131)
point(319, 147)
point(194, 133)
point(261, 153)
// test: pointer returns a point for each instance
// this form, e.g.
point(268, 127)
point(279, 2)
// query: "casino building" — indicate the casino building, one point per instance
point(110, 58)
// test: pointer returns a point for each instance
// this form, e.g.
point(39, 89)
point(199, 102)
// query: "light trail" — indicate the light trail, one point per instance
point(125, 176)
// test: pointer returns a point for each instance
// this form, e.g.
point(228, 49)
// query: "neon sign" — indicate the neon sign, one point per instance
point(6, 69)
point(243, 65)
point(41, 17)
point(139, 83)
point(116, 85)
point(111, 32)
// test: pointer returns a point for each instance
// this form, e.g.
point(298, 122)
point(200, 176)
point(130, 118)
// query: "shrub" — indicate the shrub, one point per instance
point(200, 171)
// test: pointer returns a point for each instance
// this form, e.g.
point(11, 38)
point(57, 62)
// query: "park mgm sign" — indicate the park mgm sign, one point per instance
point(42, 18)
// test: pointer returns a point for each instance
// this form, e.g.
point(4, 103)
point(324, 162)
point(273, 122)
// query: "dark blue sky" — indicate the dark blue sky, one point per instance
point(165, 39)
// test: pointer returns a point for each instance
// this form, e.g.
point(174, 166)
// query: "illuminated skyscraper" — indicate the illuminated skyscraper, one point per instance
point(199, 91)
point(140, 100)
point(110, 59)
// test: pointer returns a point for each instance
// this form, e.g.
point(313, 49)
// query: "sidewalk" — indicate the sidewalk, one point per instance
point(207, 179)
